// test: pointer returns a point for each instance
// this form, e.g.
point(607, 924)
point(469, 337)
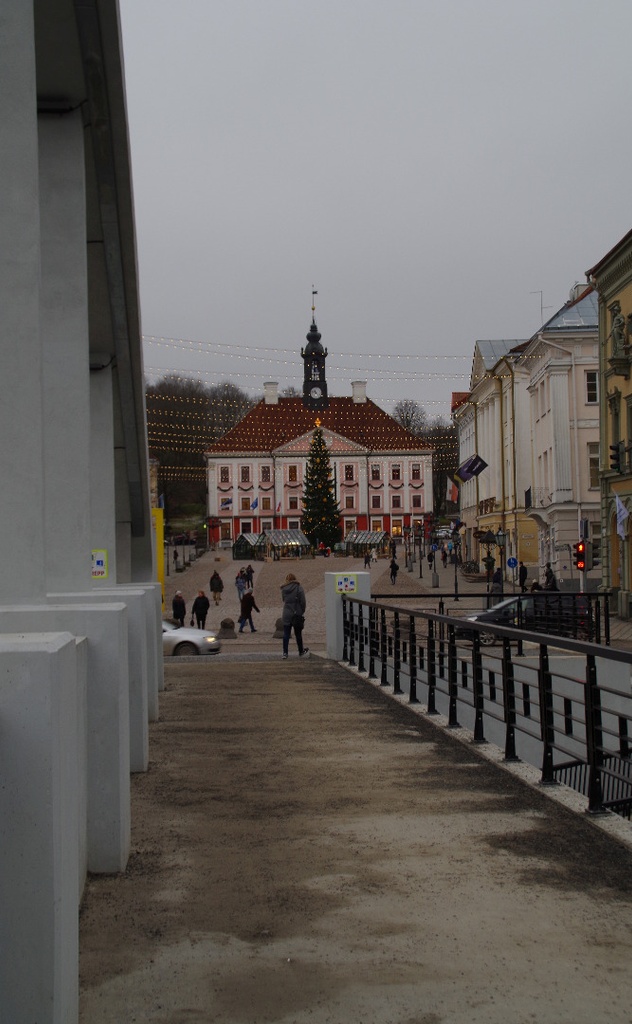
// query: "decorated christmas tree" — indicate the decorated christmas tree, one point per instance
point(321, 516)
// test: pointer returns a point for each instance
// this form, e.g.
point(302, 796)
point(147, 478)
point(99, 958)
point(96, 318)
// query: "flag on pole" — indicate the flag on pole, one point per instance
point(225, 503)
point(278, 508)
point(622, 515)
point(471, 467)
point(254, 504)
point(452, 491)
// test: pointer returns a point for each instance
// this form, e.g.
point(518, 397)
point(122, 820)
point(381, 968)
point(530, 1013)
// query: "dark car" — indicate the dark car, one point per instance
point(568, 615)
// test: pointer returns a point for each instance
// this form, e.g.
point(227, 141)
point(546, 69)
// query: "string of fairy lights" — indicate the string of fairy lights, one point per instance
point(180, 423)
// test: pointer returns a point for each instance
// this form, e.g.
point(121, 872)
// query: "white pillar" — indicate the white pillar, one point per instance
point(21, 449)
point(39, 810)
point(102, 487)
point(64, 332)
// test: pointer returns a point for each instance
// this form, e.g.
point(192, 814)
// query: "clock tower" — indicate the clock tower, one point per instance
point(314, 383)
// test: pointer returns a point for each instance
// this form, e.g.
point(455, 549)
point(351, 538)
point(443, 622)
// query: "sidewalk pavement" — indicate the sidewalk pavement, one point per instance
point(307, 850)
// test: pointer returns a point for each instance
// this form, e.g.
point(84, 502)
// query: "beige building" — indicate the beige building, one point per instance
point(612, 277)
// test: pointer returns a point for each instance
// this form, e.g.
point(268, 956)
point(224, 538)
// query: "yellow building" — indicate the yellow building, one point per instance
point(612, 277)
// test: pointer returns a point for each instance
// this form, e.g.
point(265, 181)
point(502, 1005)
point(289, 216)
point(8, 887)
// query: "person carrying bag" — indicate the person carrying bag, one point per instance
point(294, 604)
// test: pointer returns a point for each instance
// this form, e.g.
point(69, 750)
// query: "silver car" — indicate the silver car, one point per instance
point(181, 641)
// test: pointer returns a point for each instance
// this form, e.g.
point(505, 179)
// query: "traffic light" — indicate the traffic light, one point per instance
point(615, 457)
point(580, 555)
point(596, 553)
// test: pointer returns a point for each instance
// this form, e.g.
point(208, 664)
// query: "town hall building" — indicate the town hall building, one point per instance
point(382, 477)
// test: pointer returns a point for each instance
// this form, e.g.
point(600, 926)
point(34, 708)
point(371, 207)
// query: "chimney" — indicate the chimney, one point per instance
point(271, 392)
point(358, 390)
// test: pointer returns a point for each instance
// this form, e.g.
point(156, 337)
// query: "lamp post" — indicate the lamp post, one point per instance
point(420, 537)
point(501, 537)
point(455, 559)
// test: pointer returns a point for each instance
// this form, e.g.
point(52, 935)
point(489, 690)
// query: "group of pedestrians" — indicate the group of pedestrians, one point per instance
point(292, 596)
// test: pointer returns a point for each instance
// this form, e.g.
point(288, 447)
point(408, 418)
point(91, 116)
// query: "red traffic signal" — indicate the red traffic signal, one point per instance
point(580, 555)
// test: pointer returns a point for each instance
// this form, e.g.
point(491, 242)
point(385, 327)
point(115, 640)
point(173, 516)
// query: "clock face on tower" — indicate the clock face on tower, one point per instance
point(316, 392)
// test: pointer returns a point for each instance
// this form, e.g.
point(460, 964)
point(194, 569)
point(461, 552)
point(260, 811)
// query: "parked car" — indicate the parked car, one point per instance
point(181, 641)
point(568, 615)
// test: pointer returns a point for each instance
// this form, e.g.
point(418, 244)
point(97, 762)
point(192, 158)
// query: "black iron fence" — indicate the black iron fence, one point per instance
point(560, 704)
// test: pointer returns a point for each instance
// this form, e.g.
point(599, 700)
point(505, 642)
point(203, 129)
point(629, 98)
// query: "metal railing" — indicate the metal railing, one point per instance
point(562, 705)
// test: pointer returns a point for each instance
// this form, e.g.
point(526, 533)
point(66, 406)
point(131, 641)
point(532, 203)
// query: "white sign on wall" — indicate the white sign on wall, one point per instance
point(346, 584)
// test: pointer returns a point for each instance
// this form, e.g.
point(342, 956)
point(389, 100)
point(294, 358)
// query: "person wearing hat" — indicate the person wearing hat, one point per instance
point(179, 608)
point(294, 605)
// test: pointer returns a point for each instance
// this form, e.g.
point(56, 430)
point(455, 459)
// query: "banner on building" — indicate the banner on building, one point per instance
point(622, 515)
point(470, 468)
point(452, 491)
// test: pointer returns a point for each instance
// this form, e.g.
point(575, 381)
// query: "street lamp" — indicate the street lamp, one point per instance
point(501, 537)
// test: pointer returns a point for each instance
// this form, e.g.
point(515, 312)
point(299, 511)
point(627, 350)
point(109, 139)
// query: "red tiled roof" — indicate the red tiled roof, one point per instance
point(269, 426)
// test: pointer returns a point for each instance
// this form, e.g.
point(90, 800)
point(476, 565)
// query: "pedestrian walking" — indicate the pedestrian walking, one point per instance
point(179, 608)
point(367, 560)
point(250, 577)
point(175, 559)
point(522, 577)
point(444, 557)
point(247, 605)
point(293, 616)
point(200, 608)
point(550, 583)
point(216, 585)
point(393, 566)
point(497, 586)
point(240, 583)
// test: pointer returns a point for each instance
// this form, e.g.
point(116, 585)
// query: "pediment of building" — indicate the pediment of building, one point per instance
point(336, 443)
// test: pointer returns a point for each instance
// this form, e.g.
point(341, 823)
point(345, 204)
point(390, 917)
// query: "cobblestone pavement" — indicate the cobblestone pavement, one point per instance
point(269, 577)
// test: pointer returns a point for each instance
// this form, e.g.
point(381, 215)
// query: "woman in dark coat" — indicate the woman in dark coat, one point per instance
point(200, 609)
point(294, 605)
point(179, 608)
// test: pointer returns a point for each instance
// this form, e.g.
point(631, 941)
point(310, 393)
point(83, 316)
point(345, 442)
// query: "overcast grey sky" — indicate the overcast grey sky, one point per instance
point(429, 166)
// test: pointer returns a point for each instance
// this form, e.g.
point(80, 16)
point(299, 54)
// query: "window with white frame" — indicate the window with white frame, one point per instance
point(592, 387)
point(593, 464)
point(349, 501)
point(416, 500)
point(348, 472)
point(396, 501)
point(375, 471)
point(293, 524)
point(224, 475)
point(265, 474)
point(396, 472)
point(416, 471)
point(245, 474)
point(293, 501)
point(266, 504)
point(244, 504)
point(376, 501)
point(292, 474)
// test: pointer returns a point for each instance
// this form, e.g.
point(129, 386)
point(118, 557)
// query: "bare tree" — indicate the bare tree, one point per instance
point(410, 415)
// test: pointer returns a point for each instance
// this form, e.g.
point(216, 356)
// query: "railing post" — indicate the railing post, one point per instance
point(453, 722)
point(383, 649)
point(351, 635)
point(432, 668)
point(509, 701)
point(372, 640)
point(477, 691)
point(594, 739)
point(547, 722)
point(397, 654)
point(345, 629)
point(412, 661)
point(360, 638)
